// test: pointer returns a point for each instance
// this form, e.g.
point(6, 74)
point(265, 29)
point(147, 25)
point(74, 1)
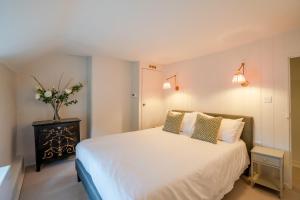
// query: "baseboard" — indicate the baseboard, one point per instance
point(12, 184)
point(20, 180)
point(296, 163)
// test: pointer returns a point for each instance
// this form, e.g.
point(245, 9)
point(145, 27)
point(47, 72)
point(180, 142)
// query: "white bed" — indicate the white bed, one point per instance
point(154, 164)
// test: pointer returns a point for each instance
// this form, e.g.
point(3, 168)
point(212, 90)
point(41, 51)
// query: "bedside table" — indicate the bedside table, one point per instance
point(267, 168)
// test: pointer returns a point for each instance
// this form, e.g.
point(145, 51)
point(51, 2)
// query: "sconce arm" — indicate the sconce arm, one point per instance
point(175, 77)
point(242, 67)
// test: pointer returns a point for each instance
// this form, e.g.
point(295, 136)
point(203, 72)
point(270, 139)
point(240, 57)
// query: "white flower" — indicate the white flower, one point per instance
point(37, 96)
point(48, 94)
point(68, 91)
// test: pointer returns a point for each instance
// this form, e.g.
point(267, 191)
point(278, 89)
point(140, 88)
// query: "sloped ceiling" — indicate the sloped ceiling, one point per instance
point(157, 31)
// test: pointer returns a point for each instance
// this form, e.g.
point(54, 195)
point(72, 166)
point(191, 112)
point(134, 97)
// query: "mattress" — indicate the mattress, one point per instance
point(154, 164)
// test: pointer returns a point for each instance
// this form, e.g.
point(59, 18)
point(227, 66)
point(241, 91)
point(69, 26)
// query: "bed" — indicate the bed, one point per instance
point(154, 164)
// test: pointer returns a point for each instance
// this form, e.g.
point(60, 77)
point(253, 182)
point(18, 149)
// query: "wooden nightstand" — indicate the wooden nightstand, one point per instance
point(267, 168)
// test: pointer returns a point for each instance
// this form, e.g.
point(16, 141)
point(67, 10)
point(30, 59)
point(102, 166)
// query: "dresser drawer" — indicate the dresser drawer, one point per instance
point(266, 160)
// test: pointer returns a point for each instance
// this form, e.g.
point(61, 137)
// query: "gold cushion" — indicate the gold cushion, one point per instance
point(207, 129)
point(173, 122)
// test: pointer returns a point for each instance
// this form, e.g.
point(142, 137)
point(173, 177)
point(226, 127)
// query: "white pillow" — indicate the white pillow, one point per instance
point(188, 123)
point(240, 130)
point(231, 130)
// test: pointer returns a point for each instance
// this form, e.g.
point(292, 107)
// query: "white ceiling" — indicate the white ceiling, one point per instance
point(157, 31)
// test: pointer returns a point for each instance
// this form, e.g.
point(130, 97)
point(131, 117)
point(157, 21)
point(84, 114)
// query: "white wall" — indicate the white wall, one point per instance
point(48, 70)
point(206, 86)
point(8, 120)
point(113, 108)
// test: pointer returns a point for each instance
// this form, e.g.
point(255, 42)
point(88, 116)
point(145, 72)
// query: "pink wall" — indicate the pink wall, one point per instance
point(206, 86)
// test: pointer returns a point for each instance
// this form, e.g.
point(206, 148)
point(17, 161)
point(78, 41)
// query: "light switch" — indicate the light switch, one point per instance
point(268, 99)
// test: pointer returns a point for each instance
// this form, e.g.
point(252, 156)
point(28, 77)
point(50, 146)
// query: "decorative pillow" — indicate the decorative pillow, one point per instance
point(207, 129)
point(173, 122)
point(205, 115)
point(188, 124)
point(230, 130)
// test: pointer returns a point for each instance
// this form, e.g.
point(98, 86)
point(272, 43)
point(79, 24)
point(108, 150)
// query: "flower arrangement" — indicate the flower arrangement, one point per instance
point(57, 97)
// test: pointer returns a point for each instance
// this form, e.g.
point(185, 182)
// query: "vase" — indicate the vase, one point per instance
point(56, 116)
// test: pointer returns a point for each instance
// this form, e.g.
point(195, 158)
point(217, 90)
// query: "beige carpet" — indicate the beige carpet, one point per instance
point(58, 181)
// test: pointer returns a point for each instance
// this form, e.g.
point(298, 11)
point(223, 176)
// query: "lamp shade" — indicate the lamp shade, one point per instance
point(167, 85)
point(238, 78)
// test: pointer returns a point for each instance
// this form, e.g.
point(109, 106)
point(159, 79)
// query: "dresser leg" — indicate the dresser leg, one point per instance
point(37, 167)
point(280, 195)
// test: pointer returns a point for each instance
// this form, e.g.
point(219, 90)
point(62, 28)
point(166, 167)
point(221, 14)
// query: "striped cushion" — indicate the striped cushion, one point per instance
point(173, 122)
point(207, 129)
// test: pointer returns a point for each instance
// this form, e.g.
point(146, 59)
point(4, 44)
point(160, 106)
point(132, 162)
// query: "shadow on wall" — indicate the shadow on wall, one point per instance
point(28, 143)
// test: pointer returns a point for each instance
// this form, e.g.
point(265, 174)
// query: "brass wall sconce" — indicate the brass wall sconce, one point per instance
point(239, 76)
point(167, 84)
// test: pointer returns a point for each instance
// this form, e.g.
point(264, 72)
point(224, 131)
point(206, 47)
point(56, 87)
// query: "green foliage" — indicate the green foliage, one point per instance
point(57, 97)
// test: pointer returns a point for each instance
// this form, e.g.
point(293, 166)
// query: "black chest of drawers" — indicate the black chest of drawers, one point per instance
point(55, 140)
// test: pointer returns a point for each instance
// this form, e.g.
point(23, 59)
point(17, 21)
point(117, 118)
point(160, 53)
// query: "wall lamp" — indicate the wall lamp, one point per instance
point(239, 76)
point(167, 84)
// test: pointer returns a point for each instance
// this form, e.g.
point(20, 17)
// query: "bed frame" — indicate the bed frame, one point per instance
point(87, 181)
point(91, 190)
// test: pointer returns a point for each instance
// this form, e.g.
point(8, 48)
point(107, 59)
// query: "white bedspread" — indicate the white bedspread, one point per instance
point(153, 164)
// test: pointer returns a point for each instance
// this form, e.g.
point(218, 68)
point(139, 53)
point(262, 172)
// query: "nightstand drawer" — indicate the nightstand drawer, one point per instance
point(266, 160)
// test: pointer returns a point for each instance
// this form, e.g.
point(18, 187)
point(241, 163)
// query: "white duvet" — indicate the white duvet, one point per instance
point(153, 164)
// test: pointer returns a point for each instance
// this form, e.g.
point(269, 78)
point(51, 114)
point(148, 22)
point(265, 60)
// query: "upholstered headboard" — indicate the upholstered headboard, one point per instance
point(247, 134)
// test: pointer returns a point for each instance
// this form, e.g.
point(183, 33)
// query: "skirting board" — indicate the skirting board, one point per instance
point(296, 163)
point(19, 183)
